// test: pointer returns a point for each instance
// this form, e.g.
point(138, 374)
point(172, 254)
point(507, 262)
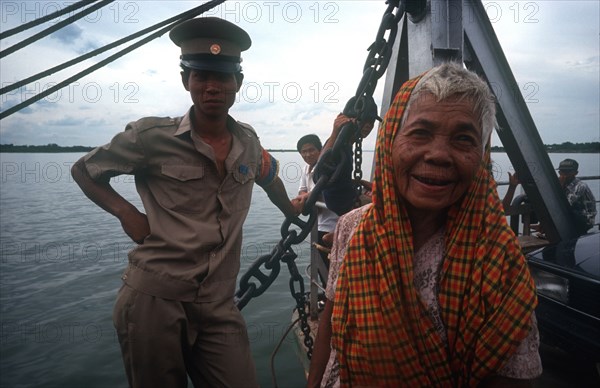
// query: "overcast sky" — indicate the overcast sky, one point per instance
point(305, 62)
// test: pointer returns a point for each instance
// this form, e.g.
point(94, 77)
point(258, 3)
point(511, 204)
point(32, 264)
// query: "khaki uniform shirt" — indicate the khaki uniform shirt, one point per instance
point(193, 251)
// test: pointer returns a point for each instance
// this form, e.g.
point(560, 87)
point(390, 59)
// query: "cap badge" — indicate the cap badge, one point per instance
point(215, 49)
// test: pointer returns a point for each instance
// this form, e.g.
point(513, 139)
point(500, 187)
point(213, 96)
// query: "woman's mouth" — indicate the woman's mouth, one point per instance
point(432, 181)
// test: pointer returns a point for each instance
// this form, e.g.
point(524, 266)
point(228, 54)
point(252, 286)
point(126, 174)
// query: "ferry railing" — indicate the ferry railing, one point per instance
point(318, 270)
point(521, 215)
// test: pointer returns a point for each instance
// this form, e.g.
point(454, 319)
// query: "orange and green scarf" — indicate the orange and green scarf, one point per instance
point(381, 330)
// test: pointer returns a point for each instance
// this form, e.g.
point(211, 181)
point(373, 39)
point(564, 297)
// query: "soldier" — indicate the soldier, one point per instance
point(175, 314)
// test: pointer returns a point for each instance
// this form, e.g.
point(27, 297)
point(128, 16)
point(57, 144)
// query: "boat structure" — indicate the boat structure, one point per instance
point(411, 40)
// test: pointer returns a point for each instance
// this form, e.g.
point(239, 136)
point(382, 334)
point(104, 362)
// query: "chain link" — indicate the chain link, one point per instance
point(358, 168)
point(328, 168)
point(301, 302)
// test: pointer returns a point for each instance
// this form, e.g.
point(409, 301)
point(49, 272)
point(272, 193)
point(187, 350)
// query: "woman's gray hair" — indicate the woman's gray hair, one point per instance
point(451, 79)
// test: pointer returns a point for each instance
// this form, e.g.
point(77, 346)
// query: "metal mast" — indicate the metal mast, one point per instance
point(435, 31)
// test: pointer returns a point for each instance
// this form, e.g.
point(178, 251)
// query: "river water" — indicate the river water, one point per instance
point(61, 259)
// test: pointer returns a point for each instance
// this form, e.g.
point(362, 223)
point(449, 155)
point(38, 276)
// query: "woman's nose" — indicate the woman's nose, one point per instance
point(438, 150)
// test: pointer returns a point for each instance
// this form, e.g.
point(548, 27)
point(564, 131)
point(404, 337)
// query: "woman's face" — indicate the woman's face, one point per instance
point(437, 152)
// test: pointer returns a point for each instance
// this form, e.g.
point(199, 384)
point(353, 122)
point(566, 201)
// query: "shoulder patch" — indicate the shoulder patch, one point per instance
point(247, 128)
point(147, 123)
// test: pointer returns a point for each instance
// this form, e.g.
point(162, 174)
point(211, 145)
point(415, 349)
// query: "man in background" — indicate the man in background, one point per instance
point(579, 195)
point(309, 147)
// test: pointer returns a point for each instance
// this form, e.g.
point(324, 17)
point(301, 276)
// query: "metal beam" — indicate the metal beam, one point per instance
point(396, 75)
point(461, 31)
point(424, 40)
point(517, 132)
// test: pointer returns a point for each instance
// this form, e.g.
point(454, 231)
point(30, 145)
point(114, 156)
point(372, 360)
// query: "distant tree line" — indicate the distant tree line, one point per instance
point(566, 147)
point(48, 148)
point(582, 148)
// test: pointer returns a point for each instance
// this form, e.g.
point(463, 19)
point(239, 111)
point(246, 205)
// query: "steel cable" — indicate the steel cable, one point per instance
point(49, 30)
point(188, 15)
point(43, 19)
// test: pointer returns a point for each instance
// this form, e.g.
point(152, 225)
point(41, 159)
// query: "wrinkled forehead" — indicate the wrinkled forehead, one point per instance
point(425, 101)
point(425, 105)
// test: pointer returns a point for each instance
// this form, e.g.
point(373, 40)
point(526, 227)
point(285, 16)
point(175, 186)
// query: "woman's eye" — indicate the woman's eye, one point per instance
point(466, 139)
point(419, 133)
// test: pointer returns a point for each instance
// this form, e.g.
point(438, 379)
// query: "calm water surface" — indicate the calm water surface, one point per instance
point(61, 261)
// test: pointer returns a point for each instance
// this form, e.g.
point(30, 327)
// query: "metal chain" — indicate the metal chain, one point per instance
point(358, 168)
point(301, 303)
point(328, 168)
point(330, 163)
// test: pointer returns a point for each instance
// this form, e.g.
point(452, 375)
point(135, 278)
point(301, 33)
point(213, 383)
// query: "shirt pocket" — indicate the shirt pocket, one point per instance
point(184, 189)
point(183, 173)
point(237, 190)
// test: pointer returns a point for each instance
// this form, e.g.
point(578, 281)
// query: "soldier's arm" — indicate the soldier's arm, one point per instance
point(277, 194)
point(134, 223)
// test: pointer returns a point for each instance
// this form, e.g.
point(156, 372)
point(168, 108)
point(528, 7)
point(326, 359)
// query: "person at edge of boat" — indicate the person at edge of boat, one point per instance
point(309, 147)
point(581, 199)
point(175, 315)
point(583, 207)
point(433, 289)
point(579, 195)
point(513, 182)
point(340, 195)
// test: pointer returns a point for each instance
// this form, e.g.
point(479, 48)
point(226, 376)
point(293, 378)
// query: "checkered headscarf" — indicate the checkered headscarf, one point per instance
point(381, 330)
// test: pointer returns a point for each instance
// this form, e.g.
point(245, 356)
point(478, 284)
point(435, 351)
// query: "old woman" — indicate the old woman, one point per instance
point(434, 289)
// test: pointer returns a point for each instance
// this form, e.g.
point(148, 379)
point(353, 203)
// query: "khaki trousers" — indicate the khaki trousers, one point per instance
point(165, 341)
